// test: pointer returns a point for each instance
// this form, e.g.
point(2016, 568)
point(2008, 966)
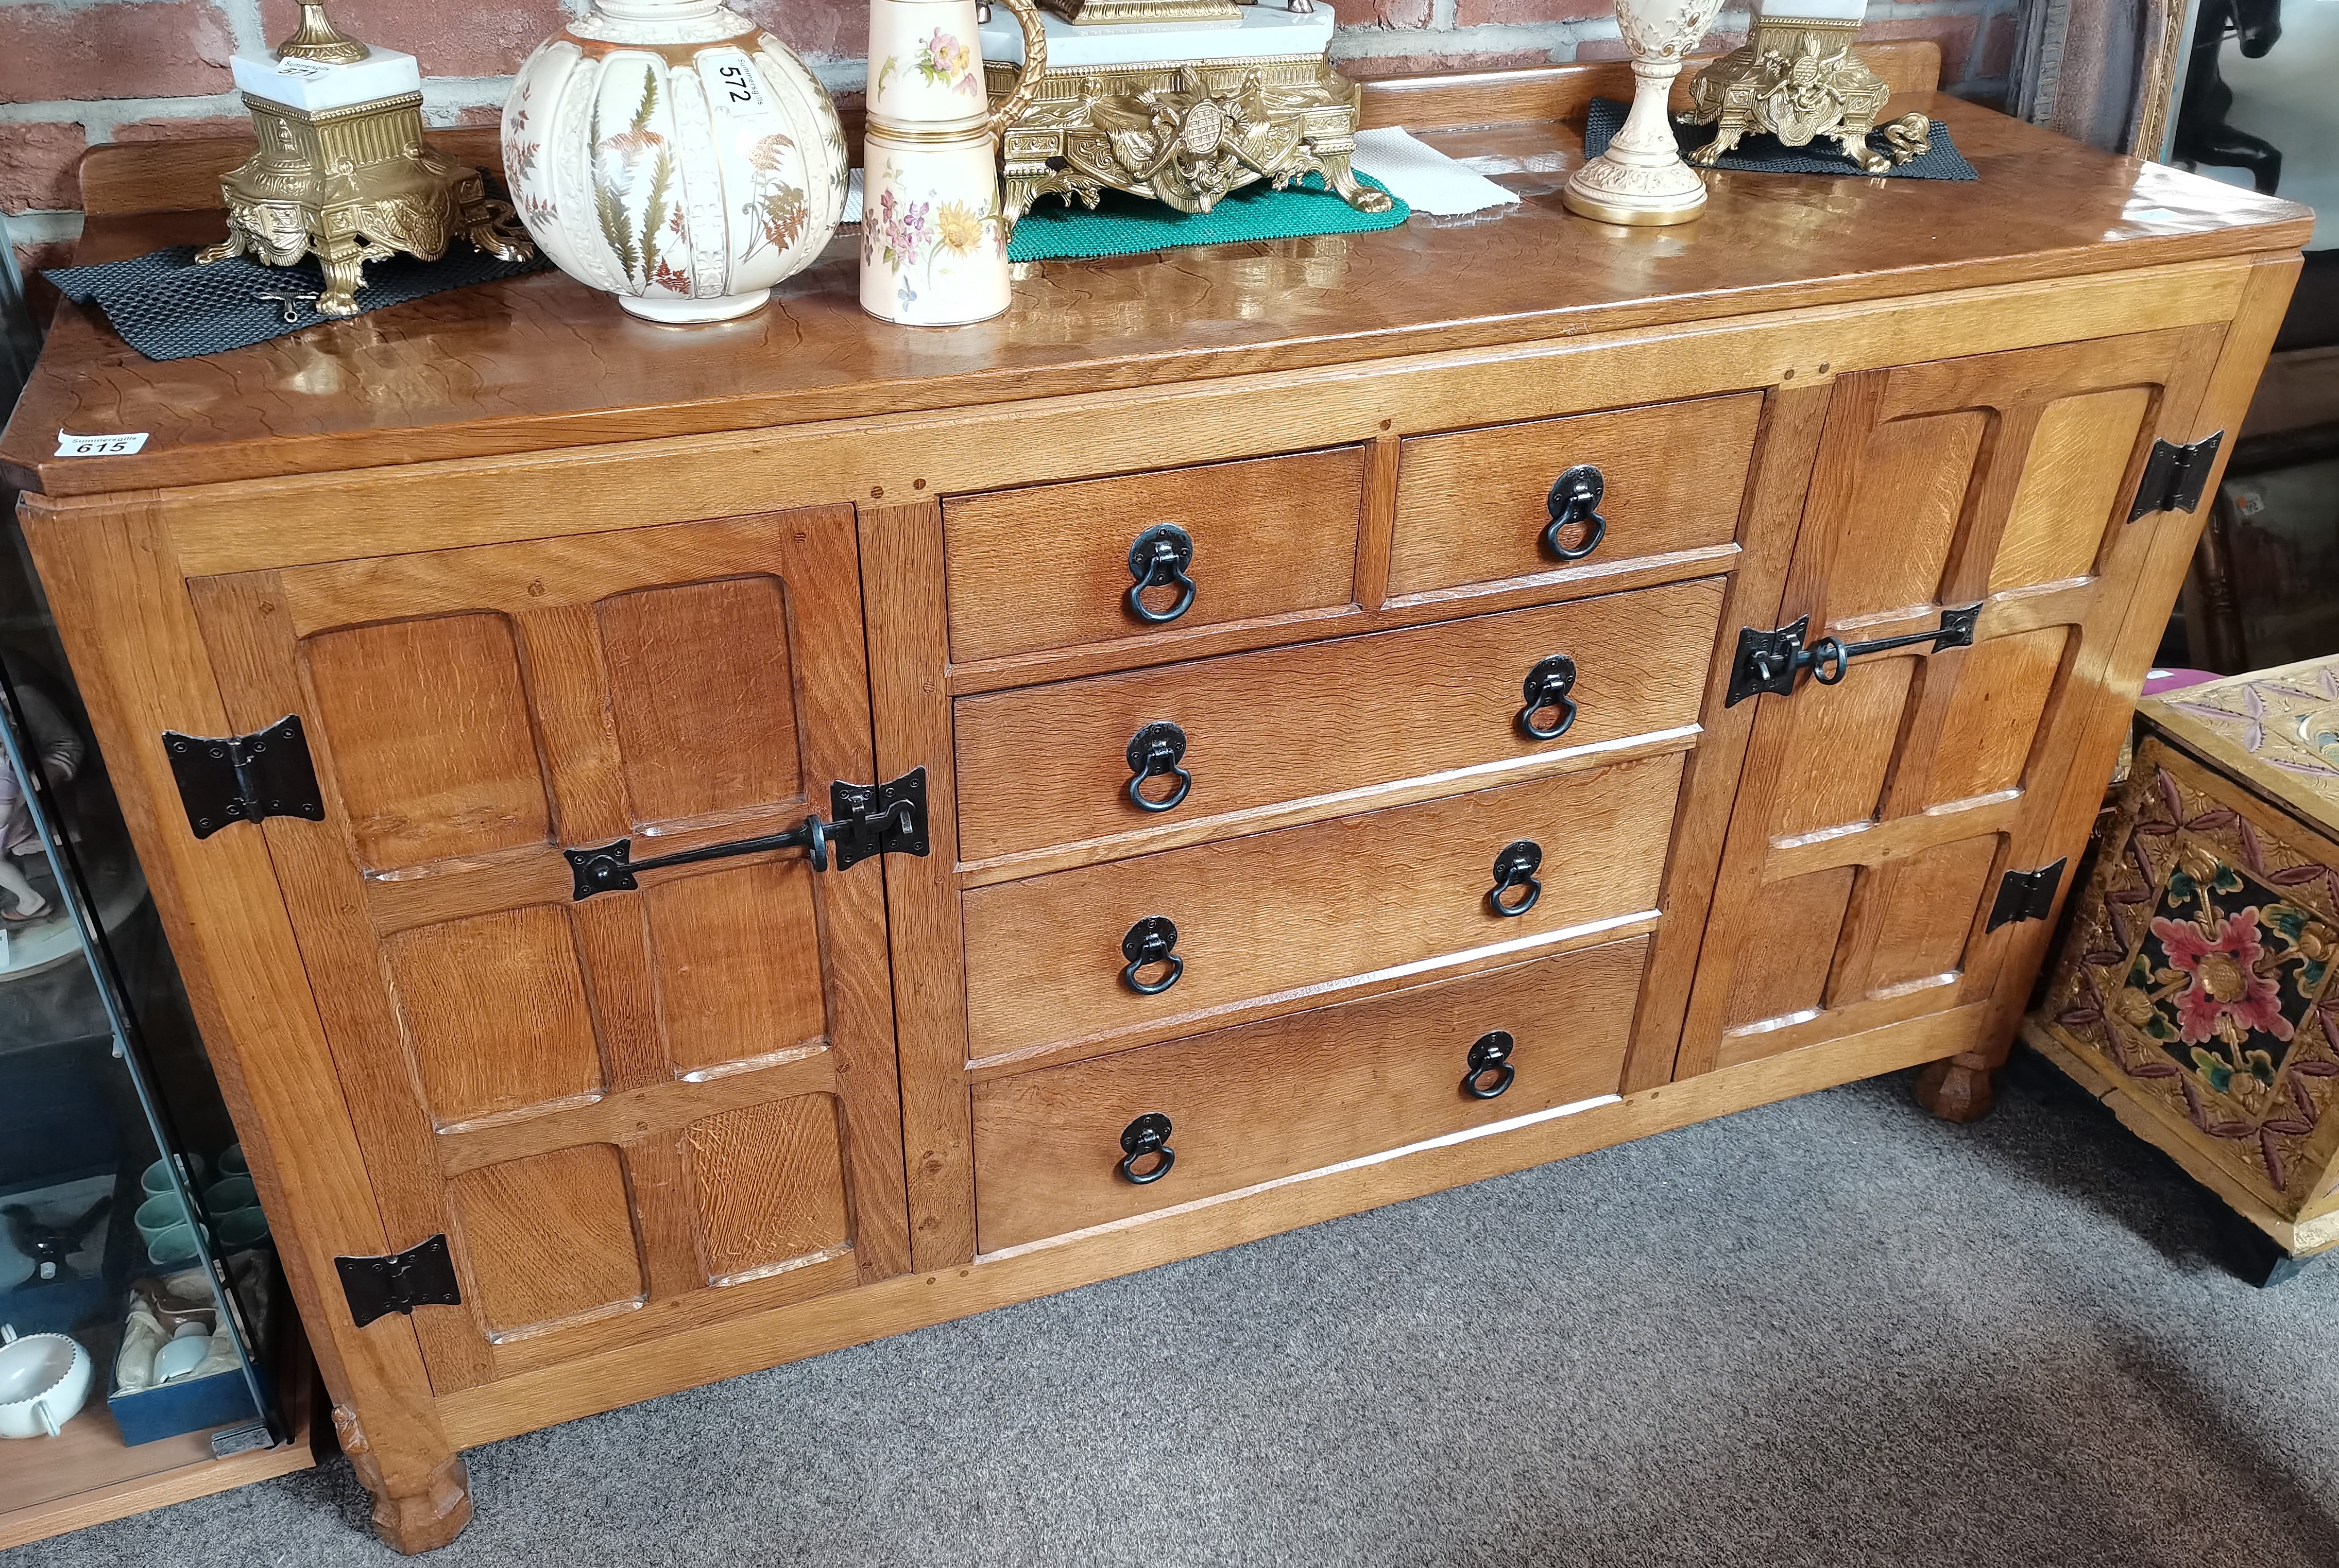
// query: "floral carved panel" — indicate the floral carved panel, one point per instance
point(2197, 972)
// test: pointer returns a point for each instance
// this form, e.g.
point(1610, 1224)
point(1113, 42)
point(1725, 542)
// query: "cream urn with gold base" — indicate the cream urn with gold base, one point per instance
point(1641, 177)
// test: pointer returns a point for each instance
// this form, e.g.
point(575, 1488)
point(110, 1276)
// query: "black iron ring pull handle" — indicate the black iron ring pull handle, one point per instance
point(1149, 942)
point(1157, 559)
point(1155, 752)
point(1546, 686)
point(1575, 498)
point(1146, 1140)
point(1490, 1065)
point(1516, 867)
point(1829, 659)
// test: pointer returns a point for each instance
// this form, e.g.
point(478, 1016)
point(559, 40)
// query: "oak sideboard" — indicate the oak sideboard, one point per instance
point(696, 848)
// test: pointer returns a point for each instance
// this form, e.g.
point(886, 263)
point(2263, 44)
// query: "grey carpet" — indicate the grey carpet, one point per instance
point(1829, 1332)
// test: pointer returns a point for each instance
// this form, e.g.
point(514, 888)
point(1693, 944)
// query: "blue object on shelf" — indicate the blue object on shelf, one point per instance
point(189, 1405)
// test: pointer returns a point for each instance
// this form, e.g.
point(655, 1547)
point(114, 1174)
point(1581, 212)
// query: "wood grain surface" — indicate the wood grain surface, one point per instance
point(1876, 817)
point(1332, 724)
point(1293, 1094)
point(511, 366)
point(1043, 955)
point(1472, 506)
point(1274, 536)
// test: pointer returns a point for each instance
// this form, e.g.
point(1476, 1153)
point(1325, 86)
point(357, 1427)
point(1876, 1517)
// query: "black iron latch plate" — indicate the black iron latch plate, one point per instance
point(1770, 661)
point(422, 1276)
point(2175, 477)
point(874, 821)
point(226, 779)
point(2026, 895)
point(1766, 662)
point(886, 819)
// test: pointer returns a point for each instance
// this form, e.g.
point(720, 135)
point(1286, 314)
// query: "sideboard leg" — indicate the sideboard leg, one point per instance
point(1957, 1088)
point(420, 1503)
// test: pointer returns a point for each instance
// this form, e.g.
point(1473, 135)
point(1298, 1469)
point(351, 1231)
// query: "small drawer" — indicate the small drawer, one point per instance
point(1050, 566)
point(1295, 1094)
point(1053, 765)
point(1475, 505)
point(1059, 960)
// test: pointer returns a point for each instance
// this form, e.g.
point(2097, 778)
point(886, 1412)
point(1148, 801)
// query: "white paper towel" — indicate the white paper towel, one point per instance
point(1422, 177)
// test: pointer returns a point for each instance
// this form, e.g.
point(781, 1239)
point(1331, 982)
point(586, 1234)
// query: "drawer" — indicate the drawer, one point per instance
point(1048, 566)
point(1295, 1094)
point(1277, 916)
point(1472, 506)
point(1050, 765)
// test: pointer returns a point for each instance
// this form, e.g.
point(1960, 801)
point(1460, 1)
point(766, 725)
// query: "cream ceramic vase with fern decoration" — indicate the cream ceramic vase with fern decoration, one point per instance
point(674, 154)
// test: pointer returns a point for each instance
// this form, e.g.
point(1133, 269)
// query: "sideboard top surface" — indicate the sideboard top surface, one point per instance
point(541, 361)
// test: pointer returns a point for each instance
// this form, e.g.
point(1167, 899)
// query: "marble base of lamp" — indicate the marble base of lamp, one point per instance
point(671, 311)
point(1639, 179)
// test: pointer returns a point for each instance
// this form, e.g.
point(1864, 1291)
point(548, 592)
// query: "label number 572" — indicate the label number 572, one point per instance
point(737, 83)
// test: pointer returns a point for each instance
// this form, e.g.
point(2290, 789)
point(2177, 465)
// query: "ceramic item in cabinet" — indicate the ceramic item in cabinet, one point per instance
point(676, 155)
point(1641, 178)
point(933, 250)
point(44, 1379)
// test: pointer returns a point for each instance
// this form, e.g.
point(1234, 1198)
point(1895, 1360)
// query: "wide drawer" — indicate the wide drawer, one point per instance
point(1472, 507)
point(1052, 765)
point(1303, 910)
point(1294, 1094)
point(1048, 567)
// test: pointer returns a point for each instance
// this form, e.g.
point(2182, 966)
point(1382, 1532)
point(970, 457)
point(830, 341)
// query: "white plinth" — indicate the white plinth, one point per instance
point(1263, 31)
point(312, 87)
point(1811, 10)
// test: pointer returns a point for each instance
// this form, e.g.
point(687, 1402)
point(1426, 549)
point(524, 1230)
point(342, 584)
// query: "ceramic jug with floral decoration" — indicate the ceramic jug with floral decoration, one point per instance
point(933, 253)
point(674, 154)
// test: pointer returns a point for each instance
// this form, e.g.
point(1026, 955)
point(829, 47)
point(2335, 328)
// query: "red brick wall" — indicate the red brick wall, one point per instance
point(82, 72)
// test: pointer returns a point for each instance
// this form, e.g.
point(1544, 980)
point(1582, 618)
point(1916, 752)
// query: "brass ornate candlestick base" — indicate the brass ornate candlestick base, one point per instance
point(1798, 79)
point(343, 170)
point(1185, 132)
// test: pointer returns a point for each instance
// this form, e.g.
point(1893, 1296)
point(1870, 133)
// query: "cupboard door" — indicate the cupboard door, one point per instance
point(628, 1112)
point(1876, 817)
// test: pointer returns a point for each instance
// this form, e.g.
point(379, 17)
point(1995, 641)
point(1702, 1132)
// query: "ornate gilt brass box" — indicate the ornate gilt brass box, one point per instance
point(1798, 79)
point(1184, 117)
point(2194, 989)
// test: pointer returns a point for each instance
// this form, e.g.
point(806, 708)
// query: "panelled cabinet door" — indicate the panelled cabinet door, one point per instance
point(629, 1112)
point(1877, 818)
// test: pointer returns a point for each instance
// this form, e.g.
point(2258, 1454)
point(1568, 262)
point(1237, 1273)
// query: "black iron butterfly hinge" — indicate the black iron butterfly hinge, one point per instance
point(422, 1276)
point(2175, 477)
point(226, 779)
point(2026, 895)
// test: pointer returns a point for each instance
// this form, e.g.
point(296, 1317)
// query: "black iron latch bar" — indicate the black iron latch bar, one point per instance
point(226, 779)
point(422, 1276)
point(1770, 661)
point(2175, 477)
point(889, 819)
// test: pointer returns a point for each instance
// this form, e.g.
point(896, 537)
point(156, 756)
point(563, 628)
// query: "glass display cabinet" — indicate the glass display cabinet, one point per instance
point(148, 1350)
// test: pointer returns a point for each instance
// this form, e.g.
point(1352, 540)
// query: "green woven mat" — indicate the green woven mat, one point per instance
point(1126, 225)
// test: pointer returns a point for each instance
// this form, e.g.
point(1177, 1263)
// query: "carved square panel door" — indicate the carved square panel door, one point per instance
point(1888, 795)
point(629, 1108)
